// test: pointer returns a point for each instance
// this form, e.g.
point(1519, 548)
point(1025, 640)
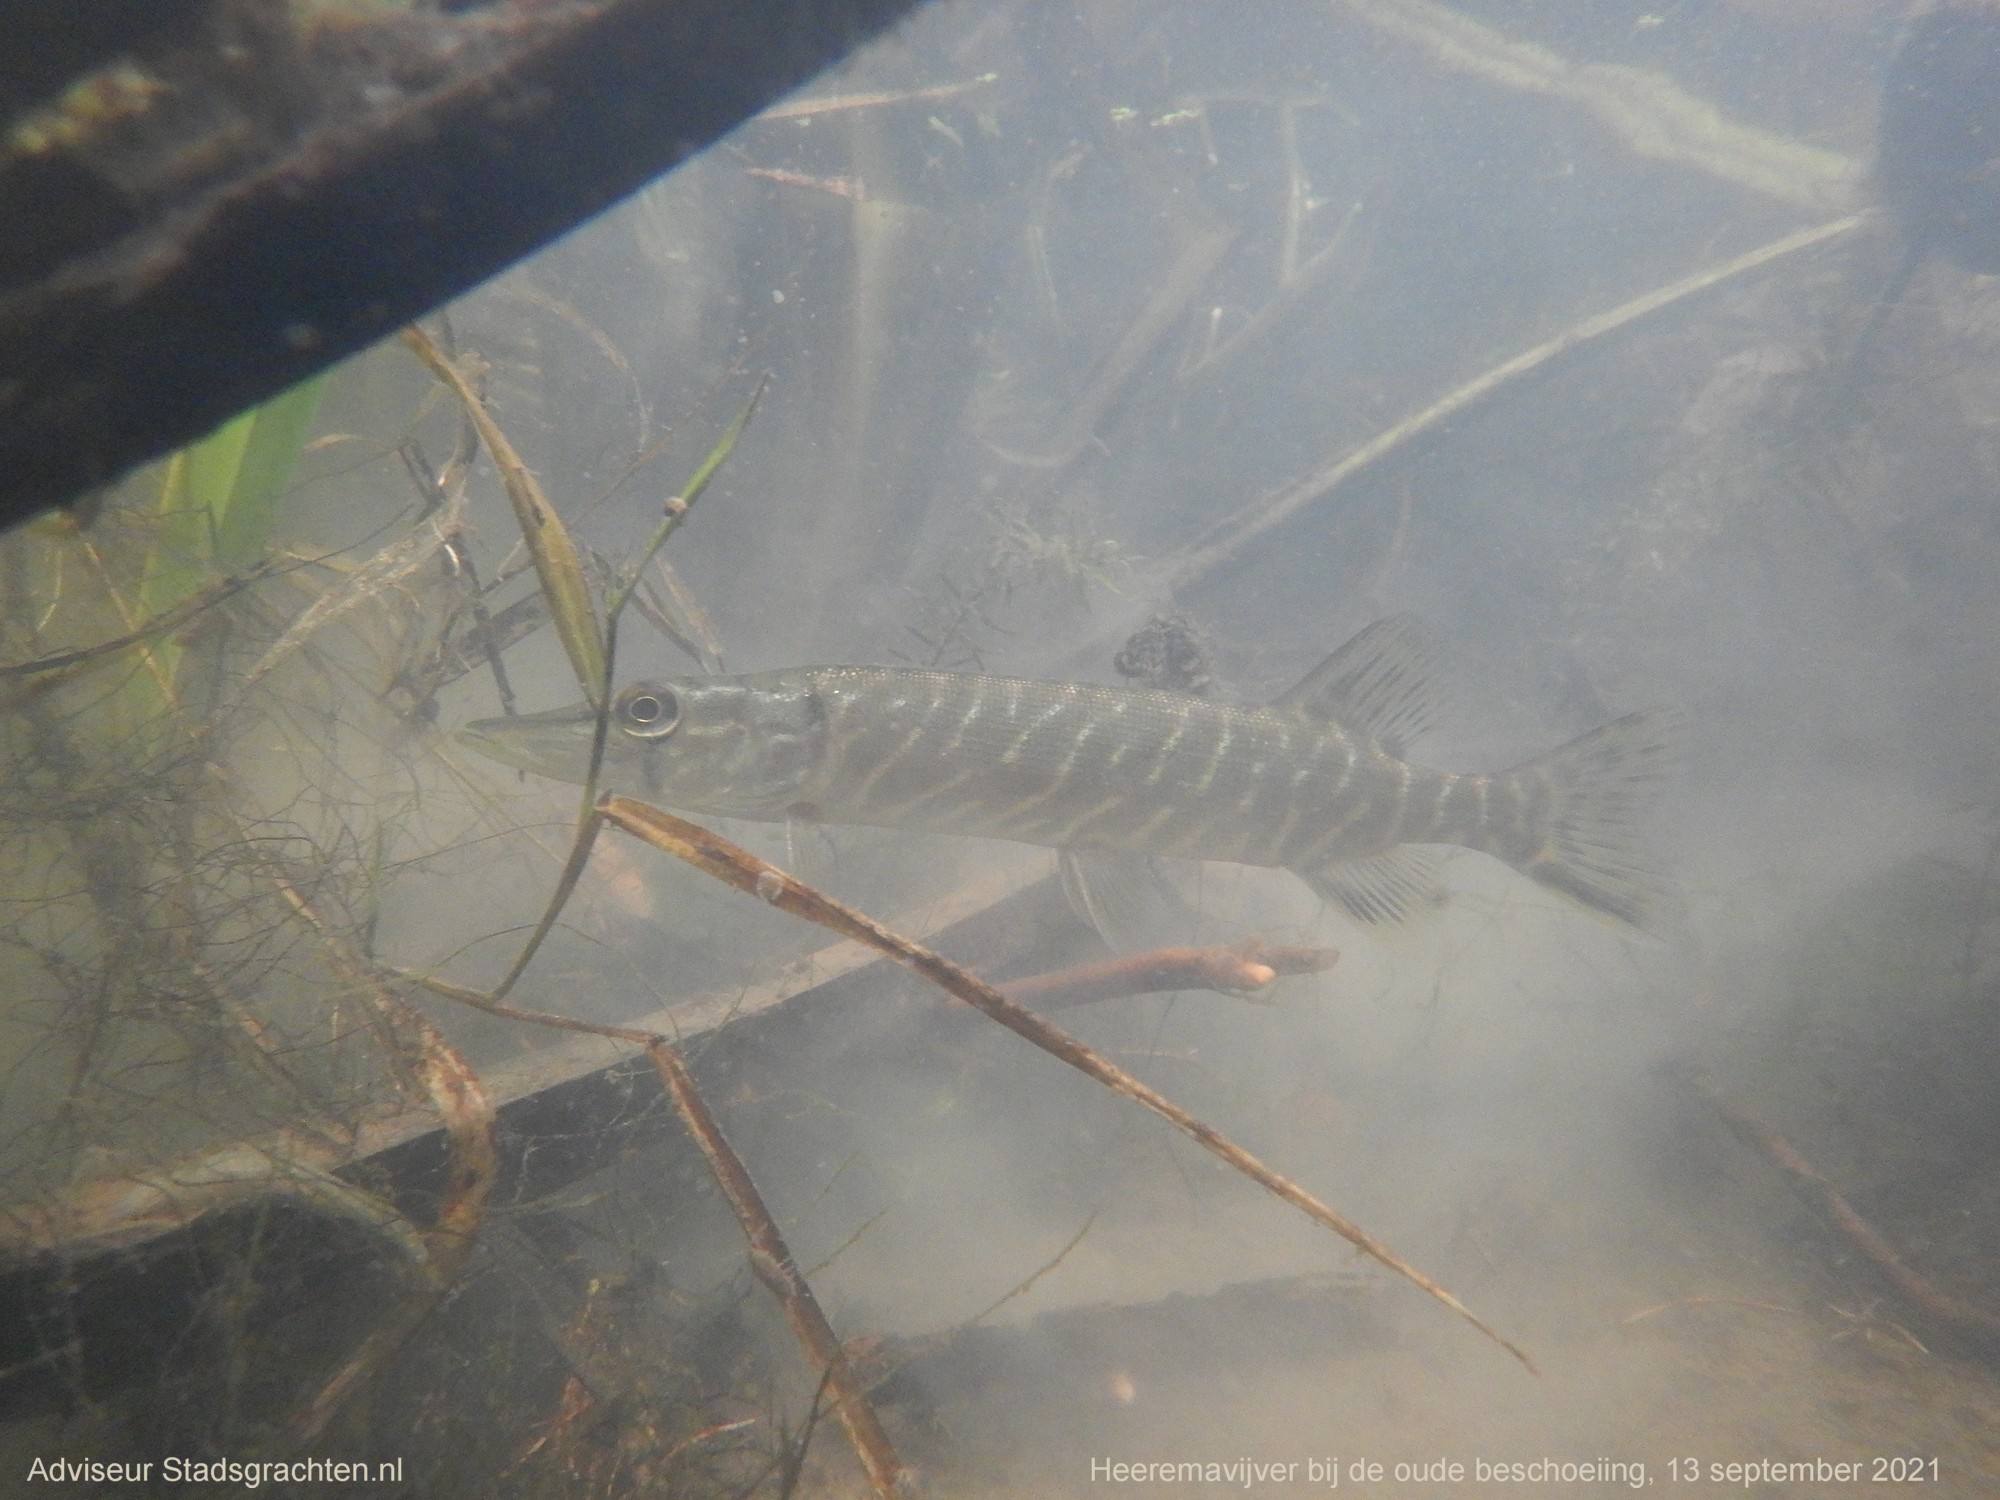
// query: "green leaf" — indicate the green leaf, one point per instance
point(274, 434)
point(220, 496)
point(218, 502)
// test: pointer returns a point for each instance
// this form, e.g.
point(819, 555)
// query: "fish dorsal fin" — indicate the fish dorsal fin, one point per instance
point(1383, 887)
point(1382, 684)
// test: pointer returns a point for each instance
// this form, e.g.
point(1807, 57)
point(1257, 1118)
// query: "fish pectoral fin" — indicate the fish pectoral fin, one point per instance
point(1383, 887)
point(1385, 684)
point(1126, 898)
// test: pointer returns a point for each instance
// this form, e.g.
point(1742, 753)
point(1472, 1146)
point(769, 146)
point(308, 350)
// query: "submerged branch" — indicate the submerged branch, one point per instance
point(770, 1258)
point(733, 866)
point(1230, 536)
point(1648, 111)
point(580, 1090)
point(1228, 971)
point(772, 1261)
point(1954, 1313)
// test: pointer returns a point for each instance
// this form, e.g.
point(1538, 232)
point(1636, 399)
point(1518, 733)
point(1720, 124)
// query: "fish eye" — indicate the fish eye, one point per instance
point(649, 711)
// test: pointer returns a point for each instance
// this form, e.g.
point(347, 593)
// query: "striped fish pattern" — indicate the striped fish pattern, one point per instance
point(1314, 782)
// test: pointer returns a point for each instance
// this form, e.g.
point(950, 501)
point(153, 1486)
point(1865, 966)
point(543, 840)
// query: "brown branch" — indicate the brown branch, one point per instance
point(772, 1261)
point(770, 1258)
point(725, 862)
point(1950, 1312)
point(1229, 971)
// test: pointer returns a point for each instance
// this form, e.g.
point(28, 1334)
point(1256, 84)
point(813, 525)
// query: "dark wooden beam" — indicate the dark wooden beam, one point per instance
point(241, 198)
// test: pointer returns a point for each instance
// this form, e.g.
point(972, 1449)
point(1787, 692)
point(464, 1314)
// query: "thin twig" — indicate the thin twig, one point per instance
point(1021, 1289)
point(726, 862)
point(523, 288)
point(1230, 536)
point(795, 1460)
point(1951, 1312)
point(799, 109)
point(770, 1258)
point(443, 489)
point(164, 623)
point(572, 872)
point(1707, 1301)
point(1228, 971)
point(647, 602)
point(691, 611)
point(772, 1261)
point(662, 441)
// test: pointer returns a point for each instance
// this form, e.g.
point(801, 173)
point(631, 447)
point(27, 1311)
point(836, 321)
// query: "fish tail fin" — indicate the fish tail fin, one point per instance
point(1576, 812)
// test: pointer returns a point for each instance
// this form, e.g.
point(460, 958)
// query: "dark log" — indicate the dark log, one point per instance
point(247, 198)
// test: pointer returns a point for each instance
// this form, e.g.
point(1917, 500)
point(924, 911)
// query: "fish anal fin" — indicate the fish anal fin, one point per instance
point(1384, 887)
point(1384, 684)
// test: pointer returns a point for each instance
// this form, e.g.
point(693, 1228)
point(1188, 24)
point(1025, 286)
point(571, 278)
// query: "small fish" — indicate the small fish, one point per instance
point(1314, 782)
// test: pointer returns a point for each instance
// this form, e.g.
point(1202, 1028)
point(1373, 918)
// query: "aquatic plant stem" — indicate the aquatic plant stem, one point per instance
point(1963, 1318)
point(1649, 113)
point(771, 1260)
point(557, 562)
point(166, 622)
point(1227, 538)
point(678, 506)
point(738, 867)
point(599, 691)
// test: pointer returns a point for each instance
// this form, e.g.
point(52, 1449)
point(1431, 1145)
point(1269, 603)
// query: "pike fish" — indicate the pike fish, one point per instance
point(1315, 782)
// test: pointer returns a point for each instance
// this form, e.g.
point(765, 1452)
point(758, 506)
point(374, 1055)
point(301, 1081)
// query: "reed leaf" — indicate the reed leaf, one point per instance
point(557, 563)
point(219, 500)
point(273, 436)
point(678, 506)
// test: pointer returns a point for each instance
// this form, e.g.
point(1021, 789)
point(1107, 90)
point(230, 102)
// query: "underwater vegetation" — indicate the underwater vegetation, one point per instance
point(1055, 368)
